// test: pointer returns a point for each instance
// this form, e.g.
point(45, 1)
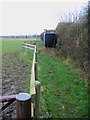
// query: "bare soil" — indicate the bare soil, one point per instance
point(15, 78)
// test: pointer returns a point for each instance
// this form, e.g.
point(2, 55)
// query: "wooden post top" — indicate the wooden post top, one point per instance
point(23, 96)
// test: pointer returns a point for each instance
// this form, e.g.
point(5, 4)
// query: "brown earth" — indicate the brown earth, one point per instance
point(15, 78)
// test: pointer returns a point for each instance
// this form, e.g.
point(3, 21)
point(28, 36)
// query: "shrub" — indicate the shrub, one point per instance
point(73, 37)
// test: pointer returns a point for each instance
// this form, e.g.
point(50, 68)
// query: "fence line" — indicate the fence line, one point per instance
point(34, 84)
point(27, 107)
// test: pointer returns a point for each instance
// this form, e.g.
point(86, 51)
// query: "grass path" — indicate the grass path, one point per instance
point(63, 92)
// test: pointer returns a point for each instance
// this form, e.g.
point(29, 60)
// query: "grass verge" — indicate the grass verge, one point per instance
point(64, 93)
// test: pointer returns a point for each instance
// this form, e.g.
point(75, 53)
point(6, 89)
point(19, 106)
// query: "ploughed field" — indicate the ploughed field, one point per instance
point(14, 77)
point(15, 73)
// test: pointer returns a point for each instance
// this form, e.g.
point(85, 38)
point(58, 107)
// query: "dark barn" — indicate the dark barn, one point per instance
point(49, 38)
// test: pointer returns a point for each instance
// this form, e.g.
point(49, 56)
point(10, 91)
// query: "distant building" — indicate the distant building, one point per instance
point(49, 38)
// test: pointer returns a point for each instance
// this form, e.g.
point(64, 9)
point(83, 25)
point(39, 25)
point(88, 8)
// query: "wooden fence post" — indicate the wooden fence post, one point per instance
point(23, 105)
point(37, 99)
point(35, 67)
point(35, 56)
point(36, 71)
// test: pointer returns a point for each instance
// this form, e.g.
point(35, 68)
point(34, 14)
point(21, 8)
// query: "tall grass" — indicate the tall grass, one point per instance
point(64, 93)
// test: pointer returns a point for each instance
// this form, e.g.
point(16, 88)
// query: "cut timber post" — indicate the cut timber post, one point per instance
point(23, 105)
point(37, 99)
point(36, 71)
point(36, 56)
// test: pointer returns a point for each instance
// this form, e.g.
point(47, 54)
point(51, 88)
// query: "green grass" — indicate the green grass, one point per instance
point(27, 56)
point(10, 45)
point(64, 93)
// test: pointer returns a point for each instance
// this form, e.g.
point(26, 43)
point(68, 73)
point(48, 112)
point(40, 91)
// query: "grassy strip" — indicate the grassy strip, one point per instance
point(27, 56)
point(11, 45)
point(63, 92)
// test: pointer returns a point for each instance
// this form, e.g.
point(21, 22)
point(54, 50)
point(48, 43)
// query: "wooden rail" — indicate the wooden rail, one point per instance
point(7, 98)
point(27, 105)
point(34, 83)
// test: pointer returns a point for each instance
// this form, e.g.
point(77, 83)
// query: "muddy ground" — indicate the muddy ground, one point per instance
point(15, 78)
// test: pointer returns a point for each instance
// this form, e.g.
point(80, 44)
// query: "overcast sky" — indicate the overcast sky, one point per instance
point(32, 17)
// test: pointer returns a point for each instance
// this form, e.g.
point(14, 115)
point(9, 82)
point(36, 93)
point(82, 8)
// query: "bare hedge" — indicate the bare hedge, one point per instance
point(73, 39)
